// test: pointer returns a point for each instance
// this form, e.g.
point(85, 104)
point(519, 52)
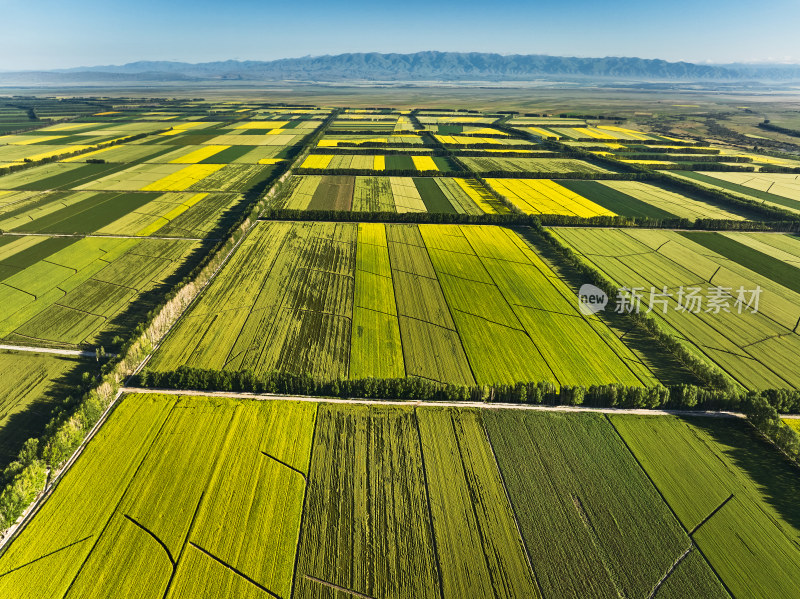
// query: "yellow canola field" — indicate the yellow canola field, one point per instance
point(482, 198)
point(628, 132)
point(379, 163)
point(542, 132)
point(486, 131)
point(317, 161)
point(424, 163)
point(184, 178)
point(543, 196)
point(270, 161)
point(105, 113)
point(199, 155)
point(648, 162)
point(262, 125)
point(591, 132)
point(464, 140)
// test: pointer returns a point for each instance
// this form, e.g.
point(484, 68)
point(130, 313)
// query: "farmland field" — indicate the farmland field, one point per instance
point(553, 166)
point(70, 291)
point(745, 346)
point(476, 299)
point(387, 194)
point(31, 384)
point(776, 189)
point(304, 499)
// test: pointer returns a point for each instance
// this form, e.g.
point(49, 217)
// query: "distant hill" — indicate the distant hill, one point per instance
point(421, 66)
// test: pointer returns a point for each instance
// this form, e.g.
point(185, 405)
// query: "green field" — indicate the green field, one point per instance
point(360, 279)
point(442, 302)
point(756, 350)
point(298, 499)
point(551, 166)
point(71, 291)
point(31, 385)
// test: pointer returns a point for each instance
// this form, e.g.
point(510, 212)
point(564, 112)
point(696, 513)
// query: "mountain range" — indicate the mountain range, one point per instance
point(420, 66)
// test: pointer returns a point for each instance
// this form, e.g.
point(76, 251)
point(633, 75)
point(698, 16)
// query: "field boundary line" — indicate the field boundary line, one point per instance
point(46, 555)
point(711, 515)
point(234, 570)
point(154, 536)
point(282, 463)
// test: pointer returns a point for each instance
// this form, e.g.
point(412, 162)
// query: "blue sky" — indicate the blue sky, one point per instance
point(40, 34)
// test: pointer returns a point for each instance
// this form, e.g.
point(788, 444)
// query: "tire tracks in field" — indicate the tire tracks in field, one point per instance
point(672, 568)
point(336, 587)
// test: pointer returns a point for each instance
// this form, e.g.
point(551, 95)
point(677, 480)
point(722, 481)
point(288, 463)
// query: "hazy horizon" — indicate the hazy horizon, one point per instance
point(50, 35)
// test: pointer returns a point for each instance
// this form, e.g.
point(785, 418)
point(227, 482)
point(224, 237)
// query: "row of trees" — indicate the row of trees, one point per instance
point(767, 126)
point(677, 397)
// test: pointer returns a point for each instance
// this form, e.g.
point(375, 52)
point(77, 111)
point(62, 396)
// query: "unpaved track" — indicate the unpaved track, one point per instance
point(447, 404)
point(50, 350)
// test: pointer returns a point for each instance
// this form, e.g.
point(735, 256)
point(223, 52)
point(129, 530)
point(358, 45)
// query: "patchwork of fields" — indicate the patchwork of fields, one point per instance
point(464, 305)
point(182, 178)
point(293, 499)
point(110, 203)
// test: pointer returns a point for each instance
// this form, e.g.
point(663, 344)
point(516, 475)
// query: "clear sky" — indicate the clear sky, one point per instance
point(42, 34)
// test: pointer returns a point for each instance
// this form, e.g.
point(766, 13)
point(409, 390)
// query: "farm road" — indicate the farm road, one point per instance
point(449, 404)
point(50, 350)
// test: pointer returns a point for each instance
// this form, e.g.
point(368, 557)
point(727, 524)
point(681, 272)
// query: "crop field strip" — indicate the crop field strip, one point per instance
point(68, 291)
point(387, 194)
point(301, 499)
point(754, 349)
point(750, 186)
point(446, 303)
point(292, 283)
